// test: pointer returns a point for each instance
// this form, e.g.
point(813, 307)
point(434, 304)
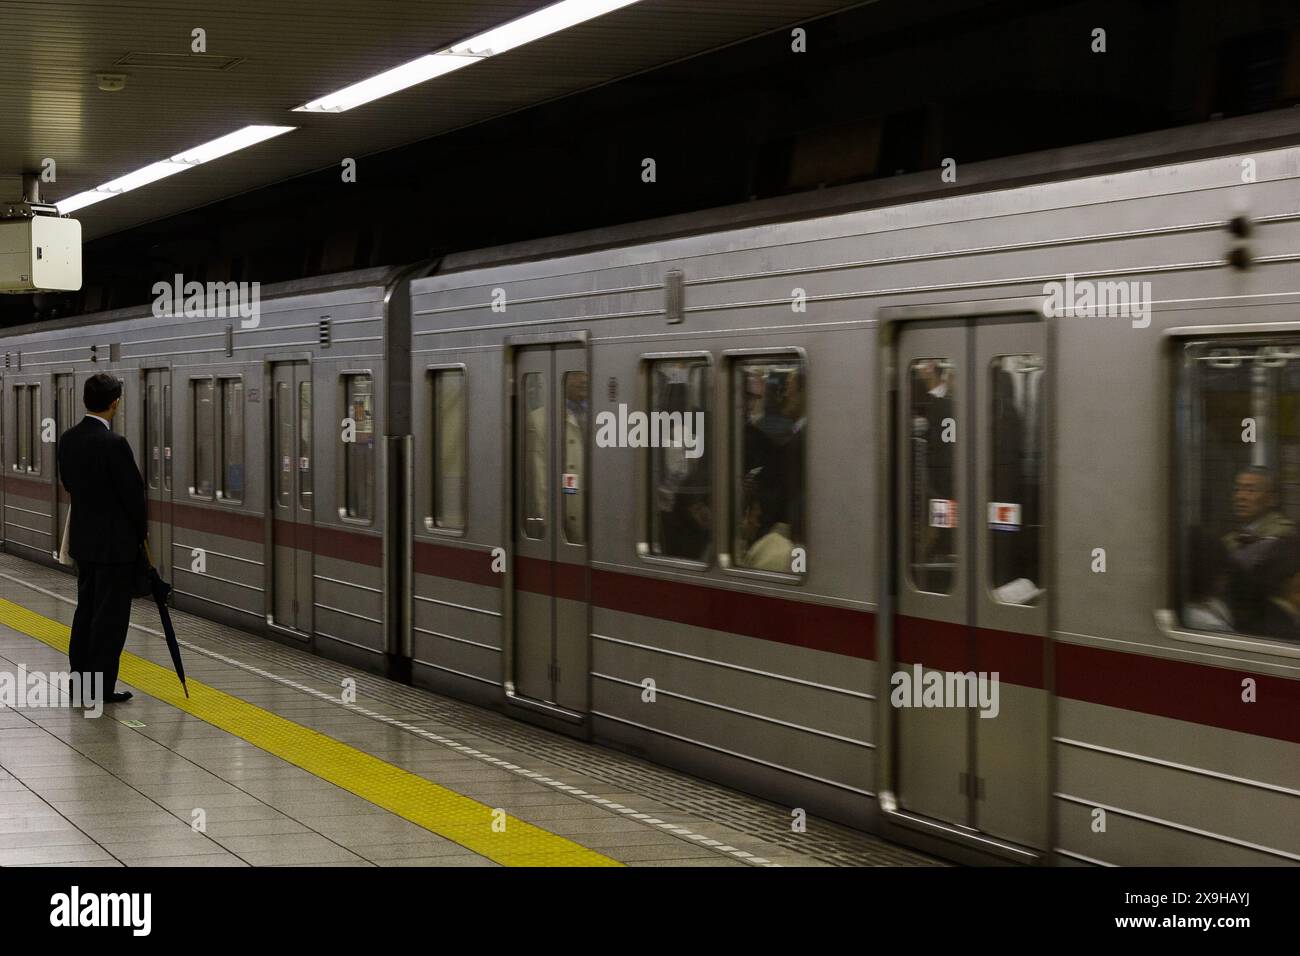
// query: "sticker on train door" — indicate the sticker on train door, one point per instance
point(1004, 516)
point(286, 464)
point(943, 513)
point(569, 483)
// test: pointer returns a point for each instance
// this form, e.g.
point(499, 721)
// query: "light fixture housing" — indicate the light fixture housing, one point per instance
point(188, 159)
point(508, 36)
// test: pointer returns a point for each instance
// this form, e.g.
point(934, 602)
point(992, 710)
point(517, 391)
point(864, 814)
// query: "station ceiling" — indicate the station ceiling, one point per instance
point(265, 57)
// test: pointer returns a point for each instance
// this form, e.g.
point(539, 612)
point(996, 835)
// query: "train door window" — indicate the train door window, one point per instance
point(932, 497)
point(359, 454)
point(167, 437)
point(767, 480)
point(204, 437)
point(681, 515)
point(119, 418)
point(27, 414)
point(22, 433)
point(153, 440)
point(232, 440)
point(1238, 444)
point(447, 424)
point(573, 470)
point(28, 430)
point(1016, 457)
point(535, 468)
point(304, 445)
point(284, 441)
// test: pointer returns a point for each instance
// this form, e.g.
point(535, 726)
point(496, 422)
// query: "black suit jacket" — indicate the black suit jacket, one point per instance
point(109, 517)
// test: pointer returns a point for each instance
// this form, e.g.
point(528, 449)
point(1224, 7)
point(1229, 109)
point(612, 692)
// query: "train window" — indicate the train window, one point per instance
point(203, 438)
point(359, 454)
point(932, 505)
point(167, 437)
point(118, 423)
point(534, 455)
point(283, 444)
point(34, 429)
point(1016, 447)
point(304, 445)
point(681, 515)
point(1238, 421)
point(767, 481)
point(232, 440)
point(447, 441)
point(573, 474)
point(27, 428)
point(152, 440)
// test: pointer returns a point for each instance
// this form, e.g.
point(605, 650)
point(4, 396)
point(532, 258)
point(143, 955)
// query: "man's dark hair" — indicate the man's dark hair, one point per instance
point(1270, 479)
point(100, 391)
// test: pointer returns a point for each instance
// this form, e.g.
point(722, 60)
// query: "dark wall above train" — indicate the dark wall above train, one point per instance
point(883, 89)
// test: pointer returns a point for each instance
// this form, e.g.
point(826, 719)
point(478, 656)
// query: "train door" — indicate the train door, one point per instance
point(65, 416)
point(157, 466)
point(291, 507)
point(967, 688)
point(550, 537)
point(4, 470)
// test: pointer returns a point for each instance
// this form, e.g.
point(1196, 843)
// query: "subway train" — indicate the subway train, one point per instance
point(964, 519)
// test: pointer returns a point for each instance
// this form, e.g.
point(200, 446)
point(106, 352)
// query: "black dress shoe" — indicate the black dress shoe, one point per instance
point(119, 697)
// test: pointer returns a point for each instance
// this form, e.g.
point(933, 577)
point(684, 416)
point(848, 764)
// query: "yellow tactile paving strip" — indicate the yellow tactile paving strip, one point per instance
point(437, 809)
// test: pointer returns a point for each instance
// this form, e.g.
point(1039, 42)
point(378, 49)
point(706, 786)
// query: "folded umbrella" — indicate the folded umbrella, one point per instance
point(160, 589)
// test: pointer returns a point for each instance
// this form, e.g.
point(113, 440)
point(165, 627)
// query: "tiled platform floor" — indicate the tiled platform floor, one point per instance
point(100, 792)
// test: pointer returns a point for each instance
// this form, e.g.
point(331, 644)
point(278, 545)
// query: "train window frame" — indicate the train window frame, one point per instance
point(1178, 345)
point(340, 486)
point(152, 430)
point(167, 434)
point(429, 495)
point(192, 383)
point(33, 428)
point(643, 486)
point(118, 424)
point(219, 452)
point(725, 383)
point(1040, 530)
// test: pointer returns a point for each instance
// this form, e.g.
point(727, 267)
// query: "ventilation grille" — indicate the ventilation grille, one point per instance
point(194, 62)
point(324, 332)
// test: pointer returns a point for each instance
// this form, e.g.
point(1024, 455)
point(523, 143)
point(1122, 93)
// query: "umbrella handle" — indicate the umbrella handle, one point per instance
point(147, 556)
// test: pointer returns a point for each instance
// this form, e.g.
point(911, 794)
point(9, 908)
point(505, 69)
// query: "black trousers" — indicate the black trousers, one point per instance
point(100, 622)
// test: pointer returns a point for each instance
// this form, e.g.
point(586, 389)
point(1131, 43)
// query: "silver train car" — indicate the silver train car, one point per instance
point(966, 520)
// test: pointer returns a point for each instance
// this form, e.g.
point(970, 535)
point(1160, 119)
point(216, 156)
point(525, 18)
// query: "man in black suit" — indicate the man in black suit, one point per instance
point(108, 528)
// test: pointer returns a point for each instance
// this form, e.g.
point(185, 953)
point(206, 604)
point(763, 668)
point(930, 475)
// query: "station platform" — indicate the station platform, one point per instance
point(267, 764)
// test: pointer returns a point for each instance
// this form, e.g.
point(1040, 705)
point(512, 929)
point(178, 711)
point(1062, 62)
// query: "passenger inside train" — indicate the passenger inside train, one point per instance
point(1240, 442)
point(769, 517)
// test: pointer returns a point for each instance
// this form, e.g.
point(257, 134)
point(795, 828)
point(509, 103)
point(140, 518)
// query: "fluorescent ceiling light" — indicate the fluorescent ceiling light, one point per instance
point(230, 143)
point(223, 146)
point(548, 20)
point(143, 177)
point(534, 26)
point(398, 78)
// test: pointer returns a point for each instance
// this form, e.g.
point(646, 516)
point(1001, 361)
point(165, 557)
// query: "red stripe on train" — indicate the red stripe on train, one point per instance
point(566, 581)
point(456, 564)
point(1180, 690)
point(28, 488)
point(1017, 658)
point(230, 524)
point(817, 626)
point(329, 542)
